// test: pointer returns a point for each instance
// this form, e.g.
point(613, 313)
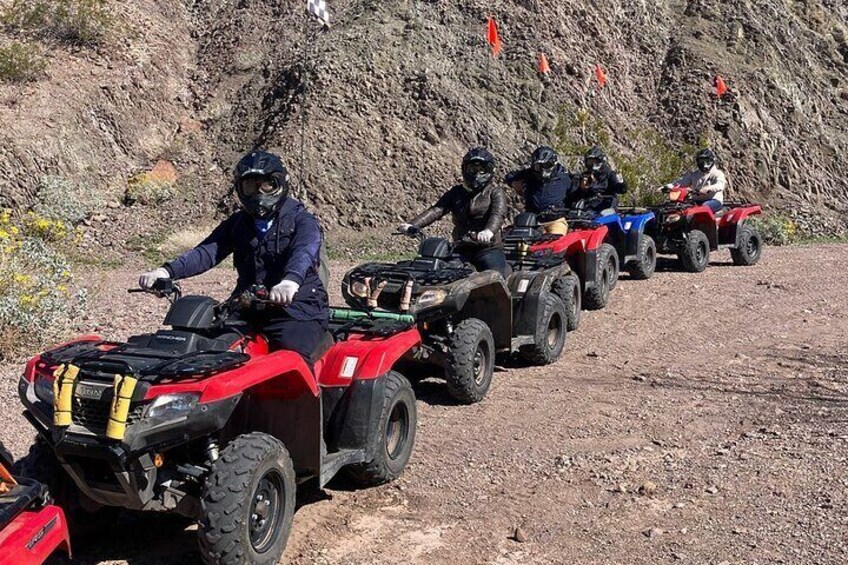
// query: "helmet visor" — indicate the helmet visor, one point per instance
point(706, 163)
point(252, 186)
point(594, 163)
point(478, 168)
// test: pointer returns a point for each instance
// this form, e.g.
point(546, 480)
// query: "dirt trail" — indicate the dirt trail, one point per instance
point(699, 419)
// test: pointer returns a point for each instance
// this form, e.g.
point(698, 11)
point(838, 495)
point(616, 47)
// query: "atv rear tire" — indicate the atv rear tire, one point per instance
point(551, 328)
point(568, 290)
point(247, 503)
point(695, 254)
point(597, 296)
point(392, 442)
point(643, 267)
point(749, 247)
point(86, 518)
point(470, 361)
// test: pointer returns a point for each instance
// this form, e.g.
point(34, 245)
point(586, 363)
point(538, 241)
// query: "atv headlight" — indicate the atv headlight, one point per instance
point(44, 389)
point(172, 406)
point(359, 289)
point(431, 298)
point(672, 219)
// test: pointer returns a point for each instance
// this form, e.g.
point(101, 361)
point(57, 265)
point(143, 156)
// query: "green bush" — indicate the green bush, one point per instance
point(36, 304)
point(21, 62)
point(145, 189)
point(776, 229)
point(80, 22)
point(60, 199)
point(656, 161)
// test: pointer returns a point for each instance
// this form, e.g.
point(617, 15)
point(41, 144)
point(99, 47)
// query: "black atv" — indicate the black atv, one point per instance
point(465, 317)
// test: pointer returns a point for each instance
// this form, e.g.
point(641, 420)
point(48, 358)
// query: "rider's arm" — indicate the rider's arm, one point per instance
point(516, 180)
point(305, 247)
point(435, 212)
point(208, 253)
point(497, 211)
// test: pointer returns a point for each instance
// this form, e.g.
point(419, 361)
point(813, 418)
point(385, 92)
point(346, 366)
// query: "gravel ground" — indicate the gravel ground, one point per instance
point(698, 419)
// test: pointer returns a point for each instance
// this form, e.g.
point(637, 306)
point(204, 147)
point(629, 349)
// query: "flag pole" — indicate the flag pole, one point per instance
point(303, 102)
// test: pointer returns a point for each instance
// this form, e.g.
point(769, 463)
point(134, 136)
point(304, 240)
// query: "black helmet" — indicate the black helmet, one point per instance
point(262, 183)
point(543, 162)
point(594, 159)
point(478, 169)
point(705, 159)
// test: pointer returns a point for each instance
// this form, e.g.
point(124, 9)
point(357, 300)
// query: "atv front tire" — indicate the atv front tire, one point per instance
point(247, 503)
point(551, 327)
point(470, 361)
point(695, 254)
point(643, 267)
point(568, 290)
point(749, 247)
point(86, 518)
point(597, 296)
point(392, 442)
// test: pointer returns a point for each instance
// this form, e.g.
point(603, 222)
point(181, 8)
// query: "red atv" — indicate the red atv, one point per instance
point(595, 261)
point(31, 529)
point(691, 230)
point(201, 420)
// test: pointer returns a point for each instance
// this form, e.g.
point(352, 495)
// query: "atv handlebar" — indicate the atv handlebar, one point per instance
point(162, 288)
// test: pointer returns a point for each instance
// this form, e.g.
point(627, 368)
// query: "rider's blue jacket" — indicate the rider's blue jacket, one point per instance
point(290, 250)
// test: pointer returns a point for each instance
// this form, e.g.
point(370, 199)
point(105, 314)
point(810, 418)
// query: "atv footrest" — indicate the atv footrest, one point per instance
point(335, 461)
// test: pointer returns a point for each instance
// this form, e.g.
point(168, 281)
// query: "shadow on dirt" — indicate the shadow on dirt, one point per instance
point(152, 538)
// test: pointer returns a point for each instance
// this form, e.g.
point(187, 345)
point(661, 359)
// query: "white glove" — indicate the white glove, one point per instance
point(404, 228)
point(147, 280)
point(485, 236)
point(284, 292)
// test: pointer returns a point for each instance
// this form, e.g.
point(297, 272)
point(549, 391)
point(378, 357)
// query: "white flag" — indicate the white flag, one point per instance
point(318, 8)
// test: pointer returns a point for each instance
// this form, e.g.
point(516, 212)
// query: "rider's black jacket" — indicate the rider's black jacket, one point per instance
point(540, 196)
point(471, 212)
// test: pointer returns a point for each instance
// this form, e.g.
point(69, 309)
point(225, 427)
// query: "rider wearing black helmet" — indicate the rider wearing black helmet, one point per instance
point(544, 186)
point(599, 183)
point(707, 182)
point(275, 242)
point(477, 207)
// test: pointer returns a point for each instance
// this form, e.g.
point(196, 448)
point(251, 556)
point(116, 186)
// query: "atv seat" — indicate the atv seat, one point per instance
point(433, 255)
point(18, 499)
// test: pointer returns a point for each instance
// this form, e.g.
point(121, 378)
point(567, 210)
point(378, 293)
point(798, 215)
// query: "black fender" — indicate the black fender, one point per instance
point(526, 306)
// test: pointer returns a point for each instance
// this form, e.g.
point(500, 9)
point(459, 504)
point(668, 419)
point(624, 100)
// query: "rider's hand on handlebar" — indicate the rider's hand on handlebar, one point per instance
point(404, 228)
point(147, 280)
point(284, 293)
point(485, 236)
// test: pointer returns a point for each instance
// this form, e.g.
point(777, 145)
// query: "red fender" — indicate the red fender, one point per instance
point(597, 238)
point(284, 371)
point(365, 358)
point(738, 215)
point(34, 536)
point(703, 219)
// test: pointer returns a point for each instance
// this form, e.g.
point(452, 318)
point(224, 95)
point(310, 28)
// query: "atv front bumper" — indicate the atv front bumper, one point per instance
point(125, 473)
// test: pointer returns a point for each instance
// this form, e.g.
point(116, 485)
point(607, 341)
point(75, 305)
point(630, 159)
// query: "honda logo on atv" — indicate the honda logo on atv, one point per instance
point(90, 392)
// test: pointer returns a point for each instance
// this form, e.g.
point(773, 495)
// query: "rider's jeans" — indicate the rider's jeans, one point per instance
point(713, 205)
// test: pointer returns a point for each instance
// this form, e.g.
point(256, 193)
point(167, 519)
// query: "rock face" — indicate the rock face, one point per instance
point(396, 92)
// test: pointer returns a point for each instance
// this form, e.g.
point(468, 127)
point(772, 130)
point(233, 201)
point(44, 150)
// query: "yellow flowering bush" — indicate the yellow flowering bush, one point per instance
point(36, 304)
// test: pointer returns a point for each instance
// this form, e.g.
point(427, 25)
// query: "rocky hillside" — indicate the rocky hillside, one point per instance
point(398, 90)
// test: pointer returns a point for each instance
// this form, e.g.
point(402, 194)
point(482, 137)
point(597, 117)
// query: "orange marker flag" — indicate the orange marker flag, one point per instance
point(493, 38)
point(544, 65)
point(600, 75)
point(720, 86)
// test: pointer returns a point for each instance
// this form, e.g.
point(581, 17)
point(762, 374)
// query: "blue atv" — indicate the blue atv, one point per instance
point(636, 249)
